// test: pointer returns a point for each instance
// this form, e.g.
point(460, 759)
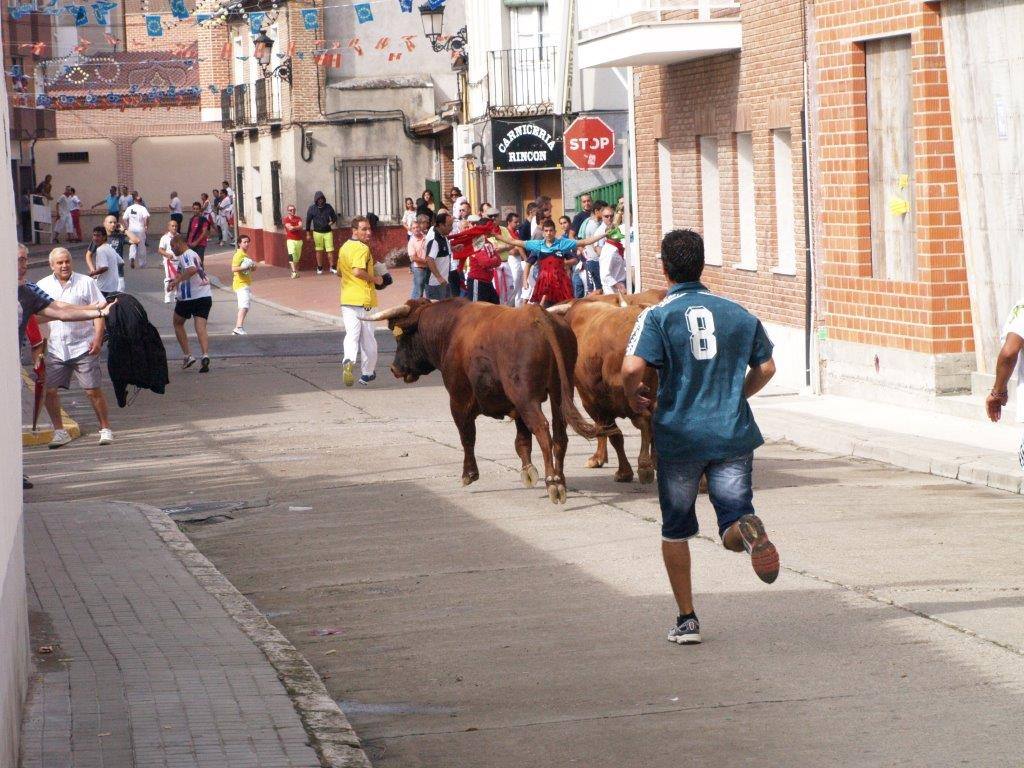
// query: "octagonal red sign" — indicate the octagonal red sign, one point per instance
point(589, 143)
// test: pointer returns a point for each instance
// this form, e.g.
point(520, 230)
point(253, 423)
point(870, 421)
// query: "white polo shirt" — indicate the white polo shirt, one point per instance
point(69, 340)
point(106, 256)
point(136, 216)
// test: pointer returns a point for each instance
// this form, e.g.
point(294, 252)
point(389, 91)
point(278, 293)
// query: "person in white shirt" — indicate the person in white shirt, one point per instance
point(125, 199)
point(136, 224)
point(1010, 362)
point(588, 278)
point(409, 216)
point(226, 216)
point(75, 208)
point(194, 300)
point(169, 259)
point(64, 224)
point(439, 258)
point(73, 348)
point(105, 263)
point(175, 209)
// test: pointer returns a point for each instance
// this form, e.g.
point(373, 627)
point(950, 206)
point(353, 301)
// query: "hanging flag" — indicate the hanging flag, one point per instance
point(256, 22)
point(364, 12)
point(329, 60)
point(21, 11)
point(178, 9)
point(394, 56)
point(435, 4)
point(405, 5)
point(311, 19)
point(111, 40)
point(202, 18)
point(409, 44)
point(291, 48)
point(225, 51)
point(52, 9)
point(355, 46)
point(154, 27)
point(100, 11)
point(382, 43)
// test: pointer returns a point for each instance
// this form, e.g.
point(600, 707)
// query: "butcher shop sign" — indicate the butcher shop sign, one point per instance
point(527, 145)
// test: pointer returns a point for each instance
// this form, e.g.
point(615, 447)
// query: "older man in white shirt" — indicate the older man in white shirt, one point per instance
point(74, 348)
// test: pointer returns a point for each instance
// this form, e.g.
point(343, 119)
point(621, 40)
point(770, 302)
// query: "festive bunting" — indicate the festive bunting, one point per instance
point(435, 4)
point(154, 27)
point(381, 44)
point(394, 56)
point(52, 9)
point(225, 51)
point(355, 46)
point(405, 5)
point(21, 11)
point(329, 60)
point(111, 40)
point(178, 9)
point(364, 12)
point(79, 14)
point(409, 44)
point(256, 21)
point(311, 19)
point(203, 18)
point(100, 11)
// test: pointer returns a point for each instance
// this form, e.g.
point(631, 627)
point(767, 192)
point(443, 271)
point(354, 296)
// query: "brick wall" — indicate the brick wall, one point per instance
point(931, 314)
point(756, 90)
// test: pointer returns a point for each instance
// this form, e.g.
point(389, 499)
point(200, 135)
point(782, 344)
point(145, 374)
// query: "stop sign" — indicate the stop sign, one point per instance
point(589, 143)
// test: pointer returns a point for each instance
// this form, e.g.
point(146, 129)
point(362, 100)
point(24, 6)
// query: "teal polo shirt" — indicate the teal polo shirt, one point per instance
point(702, 346)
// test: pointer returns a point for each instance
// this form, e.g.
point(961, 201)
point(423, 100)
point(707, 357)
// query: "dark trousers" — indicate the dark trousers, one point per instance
point(481, 290)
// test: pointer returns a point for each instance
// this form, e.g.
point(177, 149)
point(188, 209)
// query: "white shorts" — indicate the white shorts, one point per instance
point(244, 296)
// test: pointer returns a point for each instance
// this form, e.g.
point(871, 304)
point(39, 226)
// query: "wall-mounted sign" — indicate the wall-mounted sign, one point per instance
point(527, 144)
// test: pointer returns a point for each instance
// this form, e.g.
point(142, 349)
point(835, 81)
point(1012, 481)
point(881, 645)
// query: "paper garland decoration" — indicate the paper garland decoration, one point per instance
point(79, 14)
point(256, 22)
point(364, 12)
point(100, 10)
point(154, 26)
point(311, 19)
point(405, 5)
point(178, 9)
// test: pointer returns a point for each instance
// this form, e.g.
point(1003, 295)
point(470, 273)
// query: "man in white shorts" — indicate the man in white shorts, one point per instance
point(64, 224)
point(136, 224)
point(1010, 361)
point(73, 348)
point(164, 249)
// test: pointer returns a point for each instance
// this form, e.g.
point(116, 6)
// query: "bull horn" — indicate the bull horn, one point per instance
point(560, 309)
point(402, 310)
point(622, 302)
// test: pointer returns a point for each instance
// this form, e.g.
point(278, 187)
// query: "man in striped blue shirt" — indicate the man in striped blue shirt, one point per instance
point(194, 300)
point(711, 355)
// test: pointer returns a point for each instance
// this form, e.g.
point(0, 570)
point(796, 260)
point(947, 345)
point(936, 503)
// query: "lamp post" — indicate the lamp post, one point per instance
point(432, 16)
point(264, 48)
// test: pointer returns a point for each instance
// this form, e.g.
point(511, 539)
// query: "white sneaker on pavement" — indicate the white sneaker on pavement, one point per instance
point(60, 437)
point(106, 436)
point(188, 361)
point(239, 332)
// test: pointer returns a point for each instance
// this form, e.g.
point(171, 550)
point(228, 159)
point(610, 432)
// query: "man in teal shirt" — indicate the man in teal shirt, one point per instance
point(711, 355)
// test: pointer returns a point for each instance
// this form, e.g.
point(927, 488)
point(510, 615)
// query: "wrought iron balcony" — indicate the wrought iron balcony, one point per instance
point(227, 109)
point(243, 116)
point(522, 81)
point(268, 109)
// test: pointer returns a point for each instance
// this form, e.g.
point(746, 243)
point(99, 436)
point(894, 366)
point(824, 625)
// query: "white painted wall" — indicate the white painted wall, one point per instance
point(711, 200)
point(745, 189)
point(13, 613)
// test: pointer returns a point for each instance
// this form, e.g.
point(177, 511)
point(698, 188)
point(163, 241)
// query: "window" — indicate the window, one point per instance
point(665, 186)
point(368, 186)
point(745, 199)
point(784, 223)
point(257, 190)
point(891, 158)
point(72, 157)
point(240, 193)
point(275, 192)
point(711, 200)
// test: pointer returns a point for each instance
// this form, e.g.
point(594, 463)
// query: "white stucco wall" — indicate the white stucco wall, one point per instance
point(13, 615)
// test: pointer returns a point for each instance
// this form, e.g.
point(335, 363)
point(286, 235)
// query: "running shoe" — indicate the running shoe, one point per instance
point(204, 364)
point(347, 374)
point(685, 632)
point(319, 270)
point(26, 483)
point(60, 437)
point(188, 362)
point(763, 555)
point(364, 380)
point(295, 275)
point(334, 271)
point(106, 436)
point(239, 332)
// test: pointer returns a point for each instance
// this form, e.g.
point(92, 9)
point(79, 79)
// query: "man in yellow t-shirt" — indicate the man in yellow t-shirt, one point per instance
point(241, 282)
point(358, 297)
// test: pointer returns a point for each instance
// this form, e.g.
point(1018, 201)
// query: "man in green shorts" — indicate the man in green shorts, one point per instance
point(320, 221)
point(293, 239)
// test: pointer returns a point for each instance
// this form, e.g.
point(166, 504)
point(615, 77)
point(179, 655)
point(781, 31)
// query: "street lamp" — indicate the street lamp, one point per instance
point(264, 44)
point(432, 16)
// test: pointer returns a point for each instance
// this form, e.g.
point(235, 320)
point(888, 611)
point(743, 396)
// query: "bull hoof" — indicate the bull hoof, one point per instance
point(624, 476)
point(472, 477)
point(530, 475)
point(646, 475)
point(595, 463)
point(553, 493)
point(561, 493)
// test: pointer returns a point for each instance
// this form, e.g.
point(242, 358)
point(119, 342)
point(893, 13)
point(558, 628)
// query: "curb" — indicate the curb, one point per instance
point(330, 733)
point(34, 439)
point(967, 464)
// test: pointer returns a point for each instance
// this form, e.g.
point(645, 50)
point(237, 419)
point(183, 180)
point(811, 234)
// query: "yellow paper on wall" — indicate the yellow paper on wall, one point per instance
point(904, 181)
point(898, 206)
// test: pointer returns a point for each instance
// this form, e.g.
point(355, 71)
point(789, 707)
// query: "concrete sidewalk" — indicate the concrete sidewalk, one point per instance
point(144, 655)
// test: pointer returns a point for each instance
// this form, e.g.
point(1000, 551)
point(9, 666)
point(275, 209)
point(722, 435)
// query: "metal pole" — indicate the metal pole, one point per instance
point(627, 218)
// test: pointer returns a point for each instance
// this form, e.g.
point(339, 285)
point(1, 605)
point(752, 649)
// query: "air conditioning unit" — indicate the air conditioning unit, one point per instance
point(463, 140)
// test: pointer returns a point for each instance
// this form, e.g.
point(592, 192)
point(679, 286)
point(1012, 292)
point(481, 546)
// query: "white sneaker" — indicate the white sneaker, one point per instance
point(334, 271)
point(106, 437)
point(239, 332)
point(188, 362)
point(60, 437)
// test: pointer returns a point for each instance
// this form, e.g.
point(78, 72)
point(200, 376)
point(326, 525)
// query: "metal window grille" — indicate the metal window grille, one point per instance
point(72, 157)
point(368, 186)
point(523, 79)
point(242, 116)
point(227, 109)
point(260, 88)
point(275, 192)
point(240, 193)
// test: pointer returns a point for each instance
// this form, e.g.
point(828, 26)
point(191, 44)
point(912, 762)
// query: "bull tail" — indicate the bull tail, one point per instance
point(570, 412)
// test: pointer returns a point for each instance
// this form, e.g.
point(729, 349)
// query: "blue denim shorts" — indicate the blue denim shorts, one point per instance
point(729, 487)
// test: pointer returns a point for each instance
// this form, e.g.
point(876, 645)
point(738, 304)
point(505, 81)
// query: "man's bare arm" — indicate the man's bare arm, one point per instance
point(757, 377)
point(637, 394)
point(1005, 365)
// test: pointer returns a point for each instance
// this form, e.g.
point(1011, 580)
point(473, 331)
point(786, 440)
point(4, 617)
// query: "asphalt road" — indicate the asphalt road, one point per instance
point(486, 627)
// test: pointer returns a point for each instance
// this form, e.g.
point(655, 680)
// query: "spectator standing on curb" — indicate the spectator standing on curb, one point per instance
point(713, 356)
point(241, 282)
point(198, 233)
point(75, 207)
point(194, 300)
point(293, 239)
point(74, 348)
point(439, 258)
point(226, 208)
point(124, 201)
point(64, 224)
point(1009, 362)
point(613, 263)
point(136, 219)
point(587, 276)
point(483, 262)
point(358, 296)
point(104, 264)
point(111, 202)
point(175, 210)
point(409, 216)
point(587, 206)
point(429, 201)
point(320, 221)
point(417, 250)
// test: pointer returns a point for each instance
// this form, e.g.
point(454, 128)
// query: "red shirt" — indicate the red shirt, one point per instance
point(482, 264)
point(198, 230)
point(293, 221)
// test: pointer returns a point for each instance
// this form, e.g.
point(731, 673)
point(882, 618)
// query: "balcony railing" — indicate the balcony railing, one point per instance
point(522, 80)
point(628, 14)
point(241, 100)
point(268, 108)
point(227, 109)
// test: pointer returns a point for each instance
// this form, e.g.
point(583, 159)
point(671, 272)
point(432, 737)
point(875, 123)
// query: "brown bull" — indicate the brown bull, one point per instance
point(498, 362)
point(602, 328)
point(646, 298)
